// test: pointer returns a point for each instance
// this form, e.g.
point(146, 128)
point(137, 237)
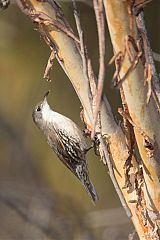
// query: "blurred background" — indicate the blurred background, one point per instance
point(39, 198)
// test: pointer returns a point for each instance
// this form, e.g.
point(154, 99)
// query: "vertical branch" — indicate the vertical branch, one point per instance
point(82, 46)
point(89, 75)
point(98, 8)
point(149, 59)
point(107, 159)
point(145, 120)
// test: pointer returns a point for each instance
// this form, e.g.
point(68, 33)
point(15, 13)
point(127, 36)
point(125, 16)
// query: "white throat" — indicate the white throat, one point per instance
point(47, 113)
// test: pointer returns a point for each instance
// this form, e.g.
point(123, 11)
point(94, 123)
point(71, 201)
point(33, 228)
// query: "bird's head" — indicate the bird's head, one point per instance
point(40, 111)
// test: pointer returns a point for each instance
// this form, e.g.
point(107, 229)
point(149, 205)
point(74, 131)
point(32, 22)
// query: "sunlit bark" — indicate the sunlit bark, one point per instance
point(144, 115)
point(142, 199)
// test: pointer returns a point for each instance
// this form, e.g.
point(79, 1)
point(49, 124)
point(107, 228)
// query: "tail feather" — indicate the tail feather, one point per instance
point(91, 190)
point(82, 174)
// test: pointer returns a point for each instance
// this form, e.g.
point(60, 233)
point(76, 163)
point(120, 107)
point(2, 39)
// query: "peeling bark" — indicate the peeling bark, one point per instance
point(138, 182)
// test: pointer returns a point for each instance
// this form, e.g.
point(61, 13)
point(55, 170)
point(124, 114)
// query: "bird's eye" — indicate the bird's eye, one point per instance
point(38, 109)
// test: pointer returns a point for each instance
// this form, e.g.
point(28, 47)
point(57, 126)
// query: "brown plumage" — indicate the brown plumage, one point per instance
point(67, 141)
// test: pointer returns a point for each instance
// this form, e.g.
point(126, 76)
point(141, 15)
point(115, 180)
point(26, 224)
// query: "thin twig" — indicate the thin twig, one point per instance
point(92, 80)
point(49, 67)
point(42, 18)
point(82, 45)
point(112, 176)
point(84, 55)
point(130, 69)
point(98, 8)
point(139, 5)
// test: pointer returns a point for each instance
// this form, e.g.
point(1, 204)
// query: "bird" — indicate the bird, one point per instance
point(67, 140)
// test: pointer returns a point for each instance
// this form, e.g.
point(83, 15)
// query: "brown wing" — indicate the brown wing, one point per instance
point(66, 148)
point(70, 153)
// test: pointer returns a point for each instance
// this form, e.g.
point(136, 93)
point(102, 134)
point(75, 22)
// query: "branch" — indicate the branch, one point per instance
point(82, 45)
point(143, 115)
point(106, 155)
point(98, 8)
point(149, 56)
point(66, 50)
point(89, 75)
